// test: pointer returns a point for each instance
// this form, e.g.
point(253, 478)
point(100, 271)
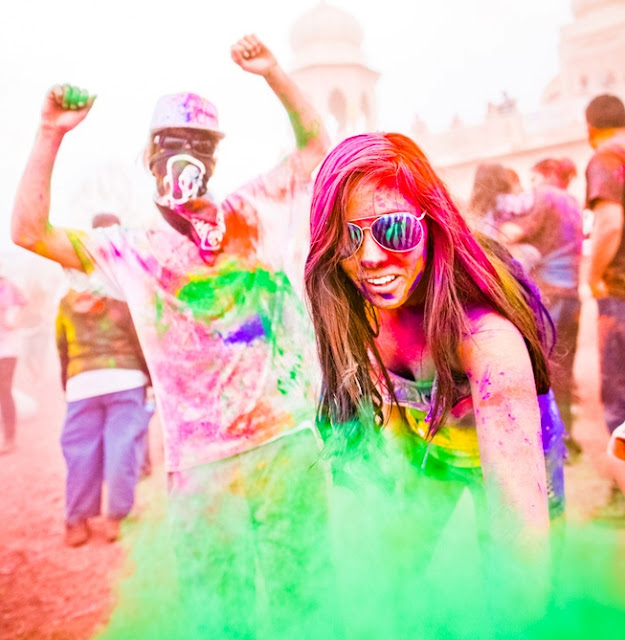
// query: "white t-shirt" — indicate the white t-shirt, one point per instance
point(229, 346)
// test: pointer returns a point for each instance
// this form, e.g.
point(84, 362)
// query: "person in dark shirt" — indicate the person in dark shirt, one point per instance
point(543, 229)
point(605, 196)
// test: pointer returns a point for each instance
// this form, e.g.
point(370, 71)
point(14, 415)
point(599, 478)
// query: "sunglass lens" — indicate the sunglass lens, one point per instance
point(170, 143)
point(176, 143)
point(353, 240)
point(204, 147)
point(397, 231)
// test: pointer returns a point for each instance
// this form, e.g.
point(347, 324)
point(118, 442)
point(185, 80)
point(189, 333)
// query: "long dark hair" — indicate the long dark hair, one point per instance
point(491, 180)
point(461, 271)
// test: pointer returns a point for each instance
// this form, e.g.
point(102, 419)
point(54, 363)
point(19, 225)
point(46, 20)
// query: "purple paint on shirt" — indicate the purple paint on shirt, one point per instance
point(248, 332)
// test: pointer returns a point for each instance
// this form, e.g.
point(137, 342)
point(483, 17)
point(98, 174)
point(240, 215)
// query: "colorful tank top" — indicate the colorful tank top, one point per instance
point(456, 443)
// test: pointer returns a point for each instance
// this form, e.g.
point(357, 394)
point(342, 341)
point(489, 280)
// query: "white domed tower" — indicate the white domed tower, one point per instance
point(592, 50)
point(330, 68)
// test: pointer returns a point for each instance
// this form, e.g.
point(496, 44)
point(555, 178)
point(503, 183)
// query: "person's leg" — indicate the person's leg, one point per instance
point(611, 326)
point(125, 426)
point(81, 443)
point(565, 314)
point(7, 404)
point(214, 547)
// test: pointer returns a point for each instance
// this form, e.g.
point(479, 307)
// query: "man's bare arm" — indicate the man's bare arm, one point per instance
point(310, 134)
point(64, 108)
point(605, 240)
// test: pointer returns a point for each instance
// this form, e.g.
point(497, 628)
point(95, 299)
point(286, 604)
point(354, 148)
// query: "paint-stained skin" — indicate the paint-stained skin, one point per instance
point(303, 134)
point(483, 387)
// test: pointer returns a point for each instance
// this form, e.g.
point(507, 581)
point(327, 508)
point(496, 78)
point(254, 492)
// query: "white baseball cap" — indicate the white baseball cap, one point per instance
point(187, 111)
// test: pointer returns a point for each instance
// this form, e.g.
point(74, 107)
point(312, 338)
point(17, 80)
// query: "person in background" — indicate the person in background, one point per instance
point(492, 181)
point(605, 197)
point(556, 172)
point(543, 230)
point(105, 377)
point(12, 300)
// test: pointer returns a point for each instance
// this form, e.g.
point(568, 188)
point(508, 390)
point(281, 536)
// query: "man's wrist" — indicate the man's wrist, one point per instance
point(273, 73)
point(51, 131)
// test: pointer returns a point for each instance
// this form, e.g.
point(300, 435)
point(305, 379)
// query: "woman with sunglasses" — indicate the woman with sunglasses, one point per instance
point(434, 334)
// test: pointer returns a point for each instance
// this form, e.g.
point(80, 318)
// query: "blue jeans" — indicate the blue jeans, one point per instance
point(612, 358)
point(103, 441)
point(552, 435)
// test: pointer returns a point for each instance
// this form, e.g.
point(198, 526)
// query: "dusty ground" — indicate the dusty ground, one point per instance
point(51, 592)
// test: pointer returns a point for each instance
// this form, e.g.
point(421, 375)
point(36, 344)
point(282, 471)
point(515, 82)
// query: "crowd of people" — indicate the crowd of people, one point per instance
point(543, 229)
point(445, 342)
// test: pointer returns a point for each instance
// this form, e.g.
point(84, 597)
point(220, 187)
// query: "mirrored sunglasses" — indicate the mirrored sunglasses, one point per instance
point(398, 232)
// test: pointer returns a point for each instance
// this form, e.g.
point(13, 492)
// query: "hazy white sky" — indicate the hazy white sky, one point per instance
point(437, 58)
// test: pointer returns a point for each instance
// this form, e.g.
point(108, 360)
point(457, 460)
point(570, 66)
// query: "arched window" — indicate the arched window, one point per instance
point(337, 106)
point(365, 108)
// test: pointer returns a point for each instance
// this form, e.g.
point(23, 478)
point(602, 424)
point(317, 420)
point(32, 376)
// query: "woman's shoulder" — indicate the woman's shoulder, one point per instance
point(484, 319)
point(493, 342)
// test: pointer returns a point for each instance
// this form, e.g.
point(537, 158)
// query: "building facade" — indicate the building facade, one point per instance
point(329, 65)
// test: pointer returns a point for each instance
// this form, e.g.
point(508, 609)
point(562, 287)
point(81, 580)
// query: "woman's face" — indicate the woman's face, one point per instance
point(386, 278)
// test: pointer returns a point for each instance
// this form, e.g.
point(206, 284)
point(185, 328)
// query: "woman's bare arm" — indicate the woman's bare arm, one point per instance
point(507, 416)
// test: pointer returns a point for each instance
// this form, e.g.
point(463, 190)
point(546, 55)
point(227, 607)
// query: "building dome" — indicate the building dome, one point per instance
point(324, 35)
point(583, 7)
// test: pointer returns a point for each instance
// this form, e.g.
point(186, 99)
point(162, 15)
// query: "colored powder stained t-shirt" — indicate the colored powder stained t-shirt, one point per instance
point(229, 346)
point(550, 222)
